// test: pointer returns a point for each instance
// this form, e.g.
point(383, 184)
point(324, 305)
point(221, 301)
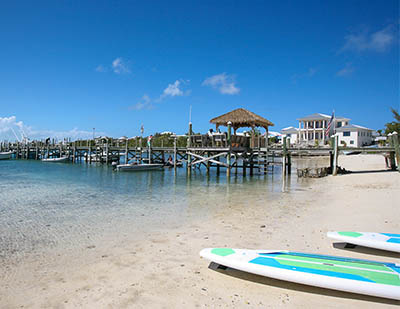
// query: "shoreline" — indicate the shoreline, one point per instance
point(164, 269)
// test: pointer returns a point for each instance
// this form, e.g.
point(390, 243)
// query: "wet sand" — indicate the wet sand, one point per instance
point(163, 269)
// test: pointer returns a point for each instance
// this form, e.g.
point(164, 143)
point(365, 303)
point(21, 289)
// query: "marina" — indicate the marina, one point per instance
point(236, 153)
point(200, 154)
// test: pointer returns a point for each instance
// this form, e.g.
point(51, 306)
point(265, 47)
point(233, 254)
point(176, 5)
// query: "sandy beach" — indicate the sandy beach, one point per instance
point(163, 269)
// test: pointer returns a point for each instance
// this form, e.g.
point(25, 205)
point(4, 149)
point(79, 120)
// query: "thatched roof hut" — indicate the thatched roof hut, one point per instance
point(241, 118)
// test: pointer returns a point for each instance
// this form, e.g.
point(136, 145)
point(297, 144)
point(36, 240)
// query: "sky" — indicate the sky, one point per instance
point(67, 67)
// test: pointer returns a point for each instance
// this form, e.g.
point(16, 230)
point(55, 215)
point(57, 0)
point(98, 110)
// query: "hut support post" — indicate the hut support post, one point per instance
point(252, 164)
point(228, 158)
point(396, 143)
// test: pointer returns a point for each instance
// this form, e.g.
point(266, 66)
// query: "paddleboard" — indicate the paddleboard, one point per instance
point(338, 273)
point(384, 241)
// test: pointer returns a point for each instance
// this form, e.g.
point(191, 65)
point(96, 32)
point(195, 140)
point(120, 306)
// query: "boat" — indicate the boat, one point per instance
point(331, 272)
point(133, 167)
point(171, 164)
point(56, 160)
point(5, 155)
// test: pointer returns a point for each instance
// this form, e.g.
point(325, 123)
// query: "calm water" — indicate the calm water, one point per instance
point(48, 206)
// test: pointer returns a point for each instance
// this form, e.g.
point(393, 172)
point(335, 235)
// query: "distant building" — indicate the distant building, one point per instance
point(355, 136)
point(292, 133)
point(312, 128)
point(167, 133)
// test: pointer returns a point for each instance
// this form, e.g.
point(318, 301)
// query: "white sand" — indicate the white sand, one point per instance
point(165, 270)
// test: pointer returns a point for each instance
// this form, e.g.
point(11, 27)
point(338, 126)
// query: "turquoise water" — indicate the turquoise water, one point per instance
point(48, 206)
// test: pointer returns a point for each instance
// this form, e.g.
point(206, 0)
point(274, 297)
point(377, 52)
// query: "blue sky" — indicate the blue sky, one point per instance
point(69, 66)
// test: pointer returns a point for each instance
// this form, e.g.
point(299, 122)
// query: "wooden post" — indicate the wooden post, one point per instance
point(335, 155)
point(149, 148)
point(74, 153)
point(251, 162)
point(289, 157)
point(332, 139)
point(228, 158)
point(175, 152)
point(208, 164)
point(140, 149)
point(392, 160)
point(126, 151)
point(284, 164)
point(189, 144)
point(396, 145)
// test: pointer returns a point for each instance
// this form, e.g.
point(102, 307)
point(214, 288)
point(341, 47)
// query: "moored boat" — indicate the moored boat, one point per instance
point(5, 155)
point(139, 167)
point(58, 160)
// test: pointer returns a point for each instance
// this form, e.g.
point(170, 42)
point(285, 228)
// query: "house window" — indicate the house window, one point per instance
point(352, 142)
point(346, 133)
point(339, 124)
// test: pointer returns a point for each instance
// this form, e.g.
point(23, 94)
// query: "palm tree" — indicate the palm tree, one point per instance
point(394, 125)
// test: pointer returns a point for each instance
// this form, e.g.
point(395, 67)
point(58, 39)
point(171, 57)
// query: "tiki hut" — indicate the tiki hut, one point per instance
point(240, 118)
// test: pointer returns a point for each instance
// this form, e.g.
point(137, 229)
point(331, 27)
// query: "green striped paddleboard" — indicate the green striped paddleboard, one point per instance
point(338, 273)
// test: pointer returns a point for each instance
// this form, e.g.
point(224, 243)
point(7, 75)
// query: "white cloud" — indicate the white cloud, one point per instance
point(174, 90)
point(144, 103)
point(347, 70)
point(9, 125)
point(224, 83)
point(119, 66)
point(101, 69)
point(378, 41)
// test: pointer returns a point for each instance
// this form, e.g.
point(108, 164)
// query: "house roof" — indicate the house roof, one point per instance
point(240, 118)
point(319, 116)
point(289, 130)
point(352, 127)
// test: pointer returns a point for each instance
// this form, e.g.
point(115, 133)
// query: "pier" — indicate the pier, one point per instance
point(229, 151)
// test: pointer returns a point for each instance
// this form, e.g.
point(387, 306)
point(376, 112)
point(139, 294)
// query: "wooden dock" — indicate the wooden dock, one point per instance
point(224, 151)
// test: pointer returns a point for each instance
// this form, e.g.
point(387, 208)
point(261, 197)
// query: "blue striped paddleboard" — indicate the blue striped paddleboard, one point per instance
point(383, 241)
point(331, 272)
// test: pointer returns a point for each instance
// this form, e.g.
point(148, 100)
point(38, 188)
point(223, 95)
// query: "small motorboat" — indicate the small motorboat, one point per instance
point(6, 155)
point(56, 160)
point(171, 164)
point(133, 167)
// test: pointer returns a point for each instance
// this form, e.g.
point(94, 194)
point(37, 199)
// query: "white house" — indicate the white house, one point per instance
point(354, 136)
point(292, 133)
point(312, 128)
